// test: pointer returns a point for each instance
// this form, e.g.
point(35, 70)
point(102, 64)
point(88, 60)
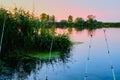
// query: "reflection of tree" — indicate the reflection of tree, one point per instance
point(23, 68)
point(91, 32)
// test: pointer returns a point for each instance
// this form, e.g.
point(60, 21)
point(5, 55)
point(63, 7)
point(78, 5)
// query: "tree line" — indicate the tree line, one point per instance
point(79, 22)
point(112, 24)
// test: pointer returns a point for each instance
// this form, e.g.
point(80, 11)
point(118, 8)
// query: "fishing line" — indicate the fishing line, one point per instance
point(108, 52)
point(88, 58)
point(51, 45)
point(2, 32)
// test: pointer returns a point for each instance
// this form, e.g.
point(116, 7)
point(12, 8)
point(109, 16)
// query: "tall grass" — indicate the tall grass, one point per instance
point(22, 34)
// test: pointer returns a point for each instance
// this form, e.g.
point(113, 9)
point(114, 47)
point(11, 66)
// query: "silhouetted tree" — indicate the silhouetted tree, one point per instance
point(70, 18)
point(79, 21)
point(52, 18)
point(43, 17)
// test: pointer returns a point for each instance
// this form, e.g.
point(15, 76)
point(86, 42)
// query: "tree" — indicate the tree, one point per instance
point(63, 23)
point(70, 18)
point(91, 22)
point(52, 18)
point(91, 17)
point(43, 17)
point(79, 21)
point(47, 18)
point(20, 29)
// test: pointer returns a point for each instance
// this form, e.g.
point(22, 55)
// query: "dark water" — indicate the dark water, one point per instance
point(71, 66)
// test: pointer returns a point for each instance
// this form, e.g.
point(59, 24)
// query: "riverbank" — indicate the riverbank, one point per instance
point(112, 24)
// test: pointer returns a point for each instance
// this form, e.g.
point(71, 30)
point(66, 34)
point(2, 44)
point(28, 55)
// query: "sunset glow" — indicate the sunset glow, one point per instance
point(106, 11)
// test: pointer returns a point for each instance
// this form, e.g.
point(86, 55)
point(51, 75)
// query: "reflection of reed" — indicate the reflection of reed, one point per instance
point(22, 69)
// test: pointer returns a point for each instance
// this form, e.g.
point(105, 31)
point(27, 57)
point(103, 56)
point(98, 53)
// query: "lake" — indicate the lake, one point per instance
point(72, 65)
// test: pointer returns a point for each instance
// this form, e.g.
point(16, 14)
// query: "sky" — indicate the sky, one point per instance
point(104, 10)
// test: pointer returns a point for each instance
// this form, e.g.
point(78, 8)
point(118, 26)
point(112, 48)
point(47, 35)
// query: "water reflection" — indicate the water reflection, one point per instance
point(70, 66)
point(74, 31)
point(24, 69)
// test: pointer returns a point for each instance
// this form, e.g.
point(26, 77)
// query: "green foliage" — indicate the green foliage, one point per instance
point(20, 29)
point(70, 19)
point(44, 55)
point(111, 24)
point(79, 22)
point(52, 18)
point(22, 33)
point(43, 17)
point(60, 42)
point(63, 23)
point(92, 23)
point(47, 18)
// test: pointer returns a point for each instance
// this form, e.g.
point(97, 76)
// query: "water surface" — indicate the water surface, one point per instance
point(71, 66)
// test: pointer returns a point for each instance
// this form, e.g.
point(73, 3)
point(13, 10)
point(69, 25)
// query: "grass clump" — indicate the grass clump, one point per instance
point(44, 55)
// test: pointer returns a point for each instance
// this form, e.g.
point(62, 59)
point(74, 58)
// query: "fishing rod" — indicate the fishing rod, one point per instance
point(108, 52)
point(88, 58)
point(51, 46)
point(2, 33)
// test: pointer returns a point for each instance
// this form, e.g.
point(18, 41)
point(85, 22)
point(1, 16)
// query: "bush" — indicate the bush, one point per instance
point(60, 42)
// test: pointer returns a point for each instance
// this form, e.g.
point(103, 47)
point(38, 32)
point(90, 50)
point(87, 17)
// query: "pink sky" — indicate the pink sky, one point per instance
point(103, 10)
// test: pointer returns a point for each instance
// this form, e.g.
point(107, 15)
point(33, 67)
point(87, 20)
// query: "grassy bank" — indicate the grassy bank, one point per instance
point(44, 55)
